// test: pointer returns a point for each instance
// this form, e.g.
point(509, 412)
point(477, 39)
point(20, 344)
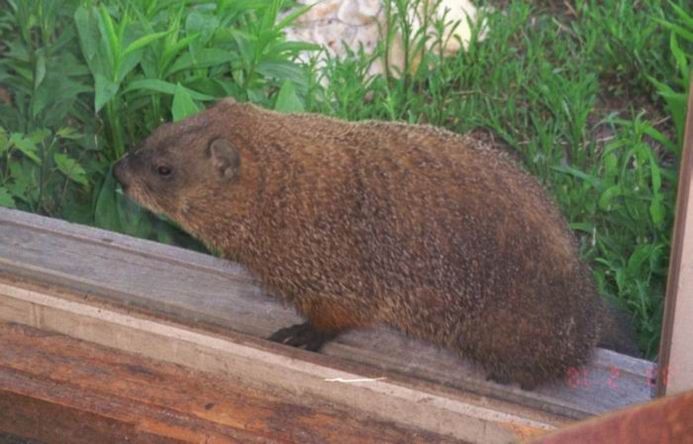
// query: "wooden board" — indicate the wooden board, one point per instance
point(96, 268)
point(676, 353)
point(667, 420)
point(267, 366)
point(54, 388)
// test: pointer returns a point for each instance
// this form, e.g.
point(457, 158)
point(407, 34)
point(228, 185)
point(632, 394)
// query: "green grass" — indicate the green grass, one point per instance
point(591, 97)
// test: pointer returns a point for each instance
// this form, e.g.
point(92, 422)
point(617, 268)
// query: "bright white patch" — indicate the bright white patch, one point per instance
point(351, 381)
point(334, 24)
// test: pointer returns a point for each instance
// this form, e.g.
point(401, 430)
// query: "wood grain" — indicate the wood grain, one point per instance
point(666, 420)
point(217, 296)
point(676, 353)
point(269, 366)
point(54, 388)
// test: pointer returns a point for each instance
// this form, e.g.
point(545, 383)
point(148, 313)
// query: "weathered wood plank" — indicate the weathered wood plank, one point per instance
point(46, 422)
point(266, 366)
point(200, 290)
point(666, 420)
point(676, 353)
point(142, 274)
point(57, 389)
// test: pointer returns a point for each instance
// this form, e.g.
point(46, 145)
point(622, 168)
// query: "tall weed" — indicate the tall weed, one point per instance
point(115, 71)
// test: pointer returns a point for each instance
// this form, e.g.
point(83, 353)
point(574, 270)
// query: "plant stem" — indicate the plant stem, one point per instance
point(116, 129)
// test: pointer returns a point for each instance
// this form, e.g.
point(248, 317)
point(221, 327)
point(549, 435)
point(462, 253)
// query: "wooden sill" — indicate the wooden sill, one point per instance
point(664, 420)
point(204, 313)
point(54, 388)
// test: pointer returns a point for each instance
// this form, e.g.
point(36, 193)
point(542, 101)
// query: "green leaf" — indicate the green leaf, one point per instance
point(291, 17)
point(585, 227)
point(243, 42)
point(282, 70)
point(269, 17)
point(40, 72)
point(660, 137)
point(287, 100)
point(106, 208)
point(105, 91)
point(6, 199)
point(68, 133)
point(657, 210)
point(655, 173)
point(113, 43)
point(203, 58)
point(687, 19)
point(4, 141)
point(71, 169)
point(608, 195)
point(39, 135)
point(637, 259)
point(202, 24)
point(144, 41)
point(127, 64)
point(183, 105)
point(90, 40)
point(162, 86)
point(679, 55)
point(680, 30)
point(134, 220)
point(26, 146)
point(295, 47)
point(24, 181)
point(57, 93)
point(172, 49)
point(116, 212)
point(594, 181)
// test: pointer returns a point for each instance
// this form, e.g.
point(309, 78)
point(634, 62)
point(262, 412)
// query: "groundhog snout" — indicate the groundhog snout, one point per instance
point(120, 171)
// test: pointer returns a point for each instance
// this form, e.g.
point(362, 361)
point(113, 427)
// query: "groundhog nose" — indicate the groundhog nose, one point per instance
point(119, 171)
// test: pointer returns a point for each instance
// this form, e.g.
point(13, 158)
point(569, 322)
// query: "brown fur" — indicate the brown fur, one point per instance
point(357, 224)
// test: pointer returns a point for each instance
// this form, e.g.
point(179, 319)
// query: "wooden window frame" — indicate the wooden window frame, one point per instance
point(675, 366)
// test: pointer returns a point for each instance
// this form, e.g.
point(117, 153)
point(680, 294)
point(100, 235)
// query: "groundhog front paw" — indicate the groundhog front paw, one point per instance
point(303, 336)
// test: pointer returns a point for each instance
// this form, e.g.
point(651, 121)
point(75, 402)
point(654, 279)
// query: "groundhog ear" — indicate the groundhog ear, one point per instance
point(225, 158)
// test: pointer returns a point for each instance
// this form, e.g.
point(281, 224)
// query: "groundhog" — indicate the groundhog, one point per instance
point(436, 234)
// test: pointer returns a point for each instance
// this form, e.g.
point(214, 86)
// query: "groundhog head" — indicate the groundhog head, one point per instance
point(182, 165)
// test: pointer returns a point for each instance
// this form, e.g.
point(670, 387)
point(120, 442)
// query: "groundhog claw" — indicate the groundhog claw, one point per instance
point(303, 336)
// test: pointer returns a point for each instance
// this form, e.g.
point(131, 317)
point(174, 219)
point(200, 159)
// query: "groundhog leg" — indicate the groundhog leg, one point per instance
point(327, 318)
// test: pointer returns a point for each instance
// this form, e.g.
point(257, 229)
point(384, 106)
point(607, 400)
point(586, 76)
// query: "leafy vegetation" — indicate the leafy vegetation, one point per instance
point(590, 94)
point(89, 79)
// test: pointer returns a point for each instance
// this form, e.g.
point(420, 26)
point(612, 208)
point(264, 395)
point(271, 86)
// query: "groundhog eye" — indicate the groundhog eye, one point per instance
point(164, 171)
